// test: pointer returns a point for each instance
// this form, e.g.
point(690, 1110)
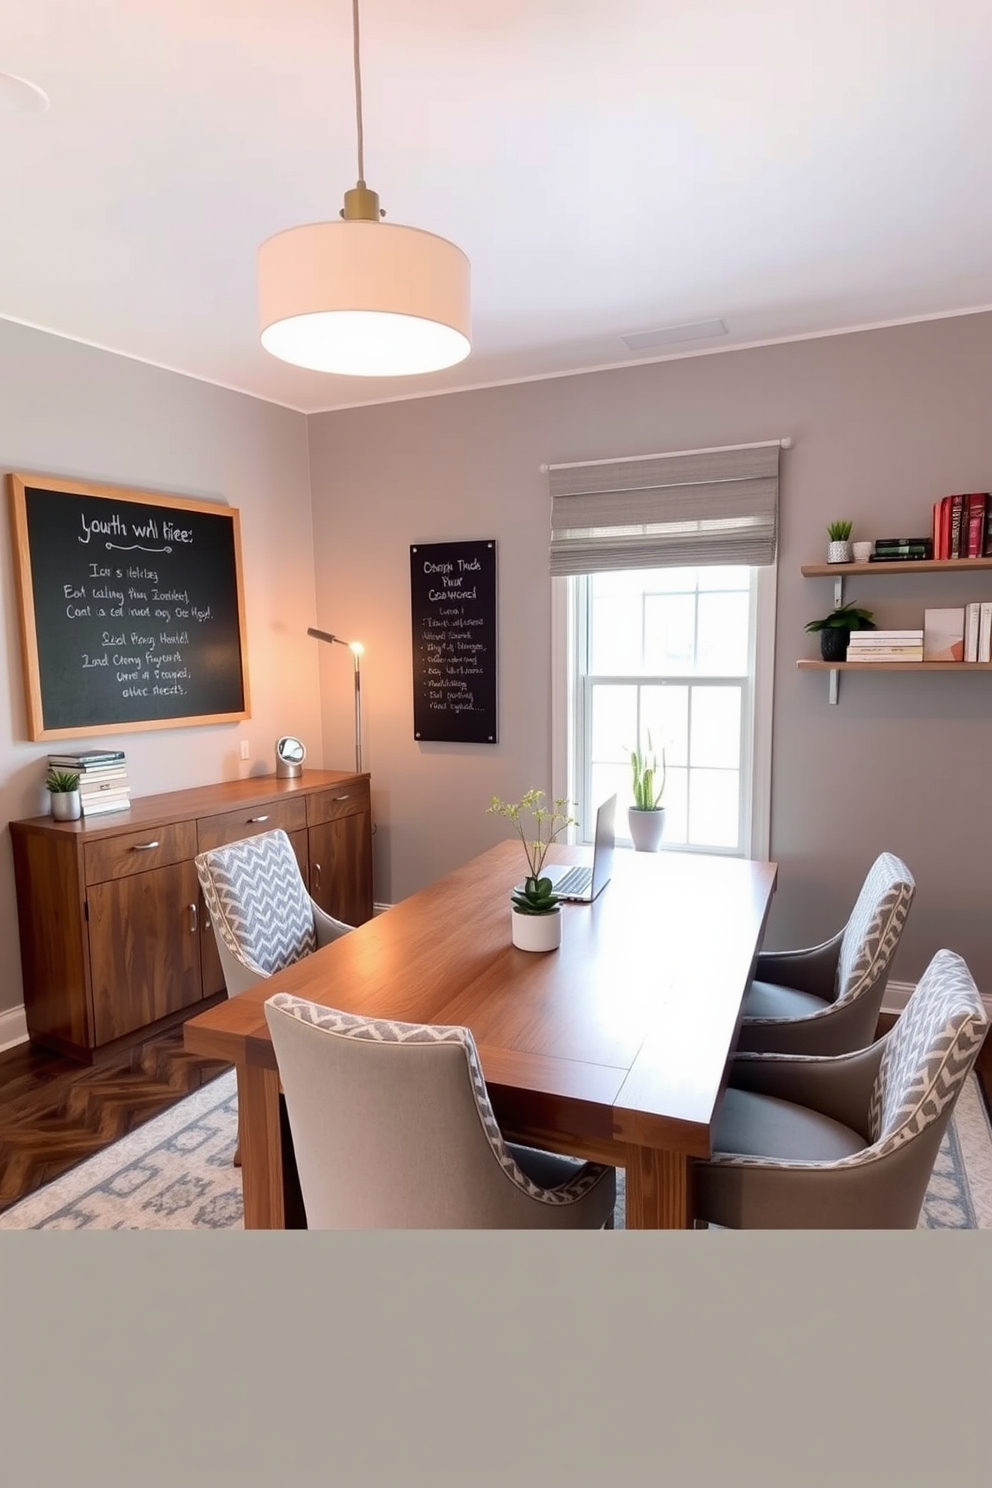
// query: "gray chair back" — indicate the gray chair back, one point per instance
point(258, 903)
point(392, 1128)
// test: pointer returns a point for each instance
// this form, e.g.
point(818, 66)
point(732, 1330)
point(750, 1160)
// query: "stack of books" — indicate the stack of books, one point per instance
point(901, 549)
point(885, 645)
point(103, 782)
point(961, 525)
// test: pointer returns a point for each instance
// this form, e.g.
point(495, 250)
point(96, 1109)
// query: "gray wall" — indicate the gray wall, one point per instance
point(69, 410)
point(883, 422)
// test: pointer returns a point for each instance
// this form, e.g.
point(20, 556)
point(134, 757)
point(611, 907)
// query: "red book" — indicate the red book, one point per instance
point(977, 501)
point(944, 547)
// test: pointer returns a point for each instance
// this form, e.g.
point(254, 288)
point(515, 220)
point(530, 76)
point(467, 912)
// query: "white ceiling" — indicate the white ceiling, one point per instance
point(609, 166)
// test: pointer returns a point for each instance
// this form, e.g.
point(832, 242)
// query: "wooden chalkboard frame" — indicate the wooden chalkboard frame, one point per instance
point(146, 714)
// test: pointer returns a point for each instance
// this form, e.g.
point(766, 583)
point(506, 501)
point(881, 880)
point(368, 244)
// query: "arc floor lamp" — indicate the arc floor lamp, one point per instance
point(356, 648)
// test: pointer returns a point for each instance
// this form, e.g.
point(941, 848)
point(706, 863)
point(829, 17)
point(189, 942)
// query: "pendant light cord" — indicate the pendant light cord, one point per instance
point(358, 95)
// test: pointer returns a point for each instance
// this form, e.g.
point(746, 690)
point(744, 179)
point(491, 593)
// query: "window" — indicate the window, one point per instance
point(664, 625)
point(669, 653)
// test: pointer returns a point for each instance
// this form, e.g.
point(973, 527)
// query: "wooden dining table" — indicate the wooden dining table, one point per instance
point(616, 1047)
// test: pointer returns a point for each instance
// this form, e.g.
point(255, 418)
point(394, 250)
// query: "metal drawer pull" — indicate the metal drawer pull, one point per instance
point(316, 875)
point(192, 919)
point(345, 797)
point(257, 819)
point(144, 846)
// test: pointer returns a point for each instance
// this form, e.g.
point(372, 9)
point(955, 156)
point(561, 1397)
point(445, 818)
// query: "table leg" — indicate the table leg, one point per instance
point(659, 1190)
point(261, 1147)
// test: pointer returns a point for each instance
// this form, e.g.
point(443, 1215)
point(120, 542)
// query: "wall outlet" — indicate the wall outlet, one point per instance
point(245, 749)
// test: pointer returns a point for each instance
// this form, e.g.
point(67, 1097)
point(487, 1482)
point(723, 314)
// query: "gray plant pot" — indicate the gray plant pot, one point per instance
point(66, 805)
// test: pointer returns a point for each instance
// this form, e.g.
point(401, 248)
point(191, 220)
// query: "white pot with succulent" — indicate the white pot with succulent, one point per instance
point(839, 548)
point(535, 909)
point(646, 818)
point(63, 786)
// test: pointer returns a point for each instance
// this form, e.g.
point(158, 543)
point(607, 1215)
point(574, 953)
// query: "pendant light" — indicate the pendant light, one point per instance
point(361, 297)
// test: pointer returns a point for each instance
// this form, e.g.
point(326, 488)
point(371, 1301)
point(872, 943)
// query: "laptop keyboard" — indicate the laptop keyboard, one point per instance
point(575, 881)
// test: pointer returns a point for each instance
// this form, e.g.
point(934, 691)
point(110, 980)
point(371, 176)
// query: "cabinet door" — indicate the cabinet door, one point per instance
point(341, 867)
point(213, 972)
point(144, 948)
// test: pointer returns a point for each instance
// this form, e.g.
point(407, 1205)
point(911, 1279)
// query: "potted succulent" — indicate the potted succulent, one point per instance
point(535, 917)
point(839, 534)
point(835, 629)
point(63, 786)
point(646, 817)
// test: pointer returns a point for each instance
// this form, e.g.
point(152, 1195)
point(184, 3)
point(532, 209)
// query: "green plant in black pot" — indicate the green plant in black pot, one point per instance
point(835, 629)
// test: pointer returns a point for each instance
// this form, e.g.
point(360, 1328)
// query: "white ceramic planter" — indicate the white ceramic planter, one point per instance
point(839, 552)
point(536, 932)
point(66, 805)
point(646, 828)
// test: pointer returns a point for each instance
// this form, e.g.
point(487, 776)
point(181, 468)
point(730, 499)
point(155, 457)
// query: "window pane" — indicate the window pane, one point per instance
point(724, 578)
point(714, 808)
point(669, 632)
point(722, 643)
point(716, 727)
point(614, 723)
point(615, 644)
point(665, 715)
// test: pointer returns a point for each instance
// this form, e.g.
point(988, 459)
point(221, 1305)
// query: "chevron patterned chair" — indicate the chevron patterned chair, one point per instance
point(262, 915)
point(849, 1141)
point(392, 1129)
point(826, 999)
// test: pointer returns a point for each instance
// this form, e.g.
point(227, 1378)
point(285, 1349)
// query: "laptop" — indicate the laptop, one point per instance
point(581, 885)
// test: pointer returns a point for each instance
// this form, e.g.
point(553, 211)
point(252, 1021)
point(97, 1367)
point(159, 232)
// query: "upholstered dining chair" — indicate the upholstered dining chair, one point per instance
point(826, 999)
point(263, 918)
point(845, 1141)
point(393, 1129)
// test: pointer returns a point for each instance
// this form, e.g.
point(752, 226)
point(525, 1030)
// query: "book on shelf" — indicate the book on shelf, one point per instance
point(971, 614)
point(88, 760)
point(974, 537)
point(101, 772)
point(872, 637)
point(985, 631)
point(907, 654)
point(895, 557)
point(904, 545)
point(943, 634)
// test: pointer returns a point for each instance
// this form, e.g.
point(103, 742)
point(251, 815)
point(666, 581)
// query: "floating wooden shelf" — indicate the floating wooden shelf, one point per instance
point(917, 566)
point(897, 666)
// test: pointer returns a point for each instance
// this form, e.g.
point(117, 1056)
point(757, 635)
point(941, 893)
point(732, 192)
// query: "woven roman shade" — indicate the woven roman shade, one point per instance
point(665, 511)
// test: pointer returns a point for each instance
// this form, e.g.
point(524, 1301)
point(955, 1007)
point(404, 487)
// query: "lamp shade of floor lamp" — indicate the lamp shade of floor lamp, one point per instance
point(356, 648)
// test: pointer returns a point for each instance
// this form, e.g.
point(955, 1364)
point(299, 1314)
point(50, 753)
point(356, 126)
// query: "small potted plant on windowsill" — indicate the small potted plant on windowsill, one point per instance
point(646, 818)
point(839, 534)
point(835, 629)
point(535, 918)
point(63, 786)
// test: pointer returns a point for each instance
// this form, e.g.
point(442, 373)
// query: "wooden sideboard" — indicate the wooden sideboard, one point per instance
point(115, 940)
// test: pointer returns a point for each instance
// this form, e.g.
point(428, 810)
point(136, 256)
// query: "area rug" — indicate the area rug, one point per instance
point(176, 1173)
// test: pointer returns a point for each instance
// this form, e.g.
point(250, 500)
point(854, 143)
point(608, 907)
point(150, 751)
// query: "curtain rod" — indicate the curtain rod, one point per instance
point(714, 449)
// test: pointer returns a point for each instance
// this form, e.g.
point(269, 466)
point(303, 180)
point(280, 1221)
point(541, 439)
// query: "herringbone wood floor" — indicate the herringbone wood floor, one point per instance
point(54, 1112)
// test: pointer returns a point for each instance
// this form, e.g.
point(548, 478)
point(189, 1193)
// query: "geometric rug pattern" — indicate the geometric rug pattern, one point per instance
point(175, 1173)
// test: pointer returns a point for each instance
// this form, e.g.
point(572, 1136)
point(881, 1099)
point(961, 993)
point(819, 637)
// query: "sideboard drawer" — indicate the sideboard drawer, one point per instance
point(137, 852)
point(232, 826)
point(347, 800)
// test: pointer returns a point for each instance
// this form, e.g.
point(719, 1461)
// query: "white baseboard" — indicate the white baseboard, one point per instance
point(13, 1028)
point(897, 994)
point(378, 909)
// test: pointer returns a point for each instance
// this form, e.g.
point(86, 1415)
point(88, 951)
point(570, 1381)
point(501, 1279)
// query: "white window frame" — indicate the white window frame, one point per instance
point(756, 766)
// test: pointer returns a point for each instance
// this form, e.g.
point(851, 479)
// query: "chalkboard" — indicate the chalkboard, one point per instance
point(132, 609)
point(453, 595)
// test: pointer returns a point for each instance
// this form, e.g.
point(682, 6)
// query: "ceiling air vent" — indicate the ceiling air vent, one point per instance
point(696, 330)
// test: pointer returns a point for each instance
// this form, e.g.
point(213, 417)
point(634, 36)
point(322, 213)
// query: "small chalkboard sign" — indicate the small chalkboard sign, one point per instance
point(453, 594)
point(131, 605)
